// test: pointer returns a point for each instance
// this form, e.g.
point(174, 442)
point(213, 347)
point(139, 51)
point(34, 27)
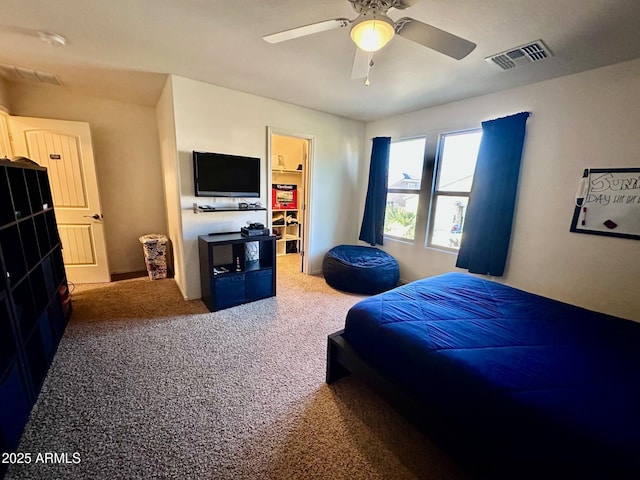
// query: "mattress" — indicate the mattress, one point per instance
point(540, 380)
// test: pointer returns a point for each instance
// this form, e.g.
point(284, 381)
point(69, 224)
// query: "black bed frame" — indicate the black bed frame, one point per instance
point(478, 453)
point(467, 448)
point(342, 360)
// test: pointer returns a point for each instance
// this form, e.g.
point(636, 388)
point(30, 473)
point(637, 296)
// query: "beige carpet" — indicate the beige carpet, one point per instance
point(146, 385)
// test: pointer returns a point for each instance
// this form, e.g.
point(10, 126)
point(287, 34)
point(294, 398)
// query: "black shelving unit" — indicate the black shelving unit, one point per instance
point(227, 278)
point(34, 296)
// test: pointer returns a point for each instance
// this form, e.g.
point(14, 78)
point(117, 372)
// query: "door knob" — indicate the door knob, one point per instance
point(95, 216)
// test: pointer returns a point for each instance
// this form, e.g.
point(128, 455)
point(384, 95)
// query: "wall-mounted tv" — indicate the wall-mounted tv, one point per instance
point(222, 175)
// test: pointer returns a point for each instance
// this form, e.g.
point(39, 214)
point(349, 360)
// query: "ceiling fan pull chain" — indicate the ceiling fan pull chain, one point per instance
point(369, 65)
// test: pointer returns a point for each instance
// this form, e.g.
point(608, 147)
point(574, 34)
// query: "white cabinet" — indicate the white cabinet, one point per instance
point(286, 212)
point(289, 164)
point(287, 227)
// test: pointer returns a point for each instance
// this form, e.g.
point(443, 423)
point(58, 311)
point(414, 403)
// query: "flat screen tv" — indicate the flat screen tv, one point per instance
point(222, 175)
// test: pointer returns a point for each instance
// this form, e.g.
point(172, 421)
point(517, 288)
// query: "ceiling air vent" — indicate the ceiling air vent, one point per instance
point(19, 74)
point(531, 52)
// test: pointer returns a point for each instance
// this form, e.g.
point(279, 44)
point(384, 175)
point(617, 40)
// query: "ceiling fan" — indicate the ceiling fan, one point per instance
point(373, 29)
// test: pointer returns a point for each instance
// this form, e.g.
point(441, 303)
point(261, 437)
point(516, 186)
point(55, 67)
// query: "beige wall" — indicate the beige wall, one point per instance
point(210, 118)
point(291, 149)
point(585, 120)
point(126, 148)
point(171, 179)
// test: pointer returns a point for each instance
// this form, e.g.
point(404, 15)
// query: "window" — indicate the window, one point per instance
point(455, 164)
point(406, 159)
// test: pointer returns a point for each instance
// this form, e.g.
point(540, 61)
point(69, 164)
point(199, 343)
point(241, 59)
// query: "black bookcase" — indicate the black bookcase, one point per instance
point(235, 269)
point(34, 297)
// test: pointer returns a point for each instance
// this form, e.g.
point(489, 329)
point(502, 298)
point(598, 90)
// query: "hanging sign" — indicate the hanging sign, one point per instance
point(608, 203)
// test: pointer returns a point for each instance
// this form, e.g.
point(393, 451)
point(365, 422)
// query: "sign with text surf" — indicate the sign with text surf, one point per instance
point(608, 203)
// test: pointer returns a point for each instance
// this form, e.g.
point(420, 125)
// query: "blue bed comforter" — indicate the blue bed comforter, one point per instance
point(539, 379)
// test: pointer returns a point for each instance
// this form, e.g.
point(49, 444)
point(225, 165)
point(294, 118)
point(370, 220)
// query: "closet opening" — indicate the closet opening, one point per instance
point(290, 159)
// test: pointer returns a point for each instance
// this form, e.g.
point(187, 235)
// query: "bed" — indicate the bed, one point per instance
point(512, 384)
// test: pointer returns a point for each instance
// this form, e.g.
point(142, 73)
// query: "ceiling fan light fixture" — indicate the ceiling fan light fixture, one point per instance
point(372, 33)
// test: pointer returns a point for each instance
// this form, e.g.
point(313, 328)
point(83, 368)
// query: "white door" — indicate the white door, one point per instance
point(5, 144)
point(64, 147)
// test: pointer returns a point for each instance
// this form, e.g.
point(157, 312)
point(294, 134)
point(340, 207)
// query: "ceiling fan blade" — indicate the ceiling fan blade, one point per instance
point(306, 30)
point(434, 38)
point(361, 62)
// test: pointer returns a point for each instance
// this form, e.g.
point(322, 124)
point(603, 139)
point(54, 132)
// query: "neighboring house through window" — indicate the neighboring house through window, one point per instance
point(406, 160)
point(455, 164)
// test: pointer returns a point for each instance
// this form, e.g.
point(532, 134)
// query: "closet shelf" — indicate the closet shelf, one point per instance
point(287, 225)
point(287, 191)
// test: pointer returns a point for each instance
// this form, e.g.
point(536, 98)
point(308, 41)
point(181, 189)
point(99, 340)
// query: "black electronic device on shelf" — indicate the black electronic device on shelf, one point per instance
point(254, 229)
point(206, 208)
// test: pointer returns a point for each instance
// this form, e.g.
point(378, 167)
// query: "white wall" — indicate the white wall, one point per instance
point(211, 118)
point(291, 149)
point(585, 120)
point(171, 179)
point(126, 149)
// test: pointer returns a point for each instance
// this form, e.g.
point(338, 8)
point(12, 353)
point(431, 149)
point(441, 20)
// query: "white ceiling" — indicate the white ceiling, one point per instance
point(123, 48)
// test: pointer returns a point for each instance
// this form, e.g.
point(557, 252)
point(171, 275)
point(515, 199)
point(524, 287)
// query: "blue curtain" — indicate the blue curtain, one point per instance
point(487, 228)
point(372, 230)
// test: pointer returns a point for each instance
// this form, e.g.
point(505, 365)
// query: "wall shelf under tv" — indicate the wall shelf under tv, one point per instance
point(227, 209)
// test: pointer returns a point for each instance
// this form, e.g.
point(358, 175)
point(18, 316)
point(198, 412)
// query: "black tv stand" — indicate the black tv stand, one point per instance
point(246, 278)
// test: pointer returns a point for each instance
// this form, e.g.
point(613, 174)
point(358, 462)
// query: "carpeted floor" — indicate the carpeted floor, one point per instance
point(146, 385)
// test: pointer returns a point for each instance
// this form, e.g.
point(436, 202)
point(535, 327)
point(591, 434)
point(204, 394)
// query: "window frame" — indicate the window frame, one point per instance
point(434, 193)
point(410, 191)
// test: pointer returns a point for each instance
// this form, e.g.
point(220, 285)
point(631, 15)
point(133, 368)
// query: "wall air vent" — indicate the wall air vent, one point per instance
point(531, 52)
point(19, 74)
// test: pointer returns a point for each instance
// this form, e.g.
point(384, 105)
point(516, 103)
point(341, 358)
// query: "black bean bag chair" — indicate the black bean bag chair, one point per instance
point(358, 269)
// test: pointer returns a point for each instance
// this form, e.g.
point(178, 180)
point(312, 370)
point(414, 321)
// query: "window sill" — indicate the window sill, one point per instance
point(450, 251)
point(406, 241)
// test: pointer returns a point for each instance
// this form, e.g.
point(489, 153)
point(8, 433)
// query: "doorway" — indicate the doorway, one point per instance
point(290, 157)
